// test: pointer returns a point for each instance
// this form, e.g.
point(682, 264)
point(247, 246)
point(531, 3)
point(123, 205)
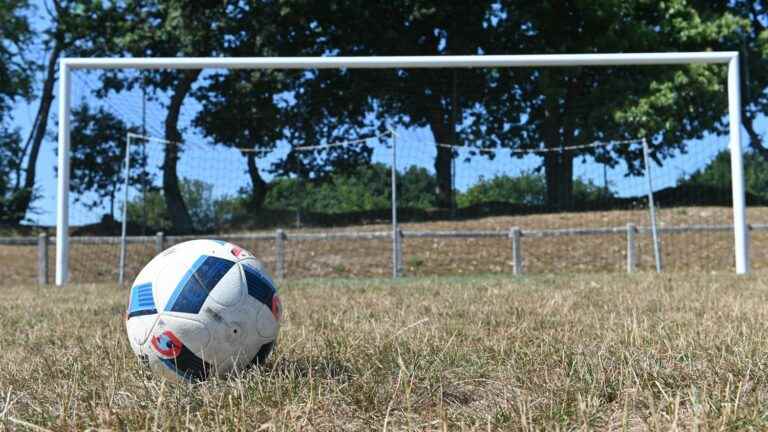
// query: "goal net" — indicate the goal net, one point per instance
point(417, 166)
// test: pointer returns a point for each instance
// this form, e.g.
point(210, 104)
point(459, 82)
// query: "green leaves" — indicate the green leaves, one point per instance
point(15, 38)
point(98, 156)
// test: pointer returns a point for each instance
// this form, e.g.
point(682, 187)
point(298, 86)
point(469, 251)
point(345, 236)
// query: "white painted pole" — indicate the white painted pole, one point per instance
point(442, 61)
point(395, 236)
point(631, 248)
point(652, 207)
point(517, 251)
point(121, 267)
point(613, 59)
point(62, 186)
point(740, 231)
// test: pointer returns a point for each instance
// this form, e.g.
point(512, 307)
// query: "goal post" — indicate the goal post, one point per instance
point(731, 59)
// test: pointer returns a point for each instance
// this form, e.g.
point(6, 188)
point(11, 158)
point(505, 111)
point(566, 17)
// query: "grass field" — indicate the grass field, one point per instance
point(608, 352)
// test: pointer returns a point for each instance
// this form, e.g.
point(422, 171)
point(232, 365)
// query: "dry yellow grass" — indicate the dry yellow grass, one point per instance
point(571, 352)
point(701, 251)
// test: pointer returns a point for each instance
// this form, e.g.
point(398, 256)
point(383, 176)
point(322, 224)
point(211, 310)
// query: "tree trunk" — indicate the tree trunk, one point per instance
point(178, 213)
point(258, 185)
point(558, 169)
point(37, 134)
point(558, 165)
point(443, 133)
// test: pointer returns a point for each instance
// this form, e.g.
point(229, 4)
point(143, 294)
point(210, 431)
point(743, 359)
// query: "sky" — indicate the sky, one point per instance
point(225, 168)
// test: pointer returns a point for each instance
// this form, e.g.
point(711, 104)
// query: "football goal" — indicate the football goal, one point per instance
point(479, 137)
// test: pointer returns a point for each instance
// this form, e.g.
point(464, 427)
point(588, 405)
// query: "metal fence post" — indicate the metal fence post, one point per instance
point(280, 251)
point(159, 242)
point(42, 259)
point(631, 248)
point(517, 251)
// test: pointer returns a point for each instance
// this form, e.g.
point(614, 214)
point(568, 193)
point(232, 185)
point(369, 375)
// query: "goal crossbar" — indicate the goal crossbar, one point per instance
point(402, 62)
point(731, 58)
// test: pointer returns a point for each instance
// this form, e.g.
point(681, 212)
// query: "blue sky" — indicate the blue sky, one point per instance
point(225, 168)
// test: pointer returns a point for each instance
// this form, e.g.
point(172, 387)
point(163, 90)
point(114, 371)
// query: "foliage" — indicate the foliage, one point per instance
point(169, 29)
point(15, 38)
point(98, 144)
point(416, 188)
point(340, 103)
point(525, 189)
point(750, 39)
point(15, 84)
point(149, 211)
point(10, 160)
point(366, 188)
point(717, 174)
point(198, 196)
point(207, 212)
point(525, 108)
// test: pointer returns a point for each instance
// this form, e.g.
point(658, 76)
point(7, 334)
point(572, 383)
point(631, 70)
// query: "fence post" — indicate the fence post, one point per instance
point(517, 251)
point(42, 259)
point(399, 256)
point(159, 242)
point(280, 251)
point(631, 248)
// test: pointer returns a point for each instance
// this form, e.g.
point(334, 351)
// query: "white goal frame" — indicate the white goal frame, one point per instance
point(731, 58)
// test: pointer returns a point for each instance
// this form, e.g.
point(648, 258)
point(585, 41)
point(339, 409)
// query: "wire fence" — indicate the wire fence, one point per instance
point(296, 254)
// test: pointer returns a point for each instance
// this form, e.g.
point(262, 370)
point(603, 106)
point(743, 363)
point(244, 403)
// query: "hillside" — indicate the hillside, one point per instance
point(699, 251)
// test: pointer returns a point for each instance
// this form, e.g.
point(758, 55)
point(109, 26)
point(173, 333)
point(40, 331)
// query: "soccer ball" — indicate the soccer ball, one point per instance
point(202, 308)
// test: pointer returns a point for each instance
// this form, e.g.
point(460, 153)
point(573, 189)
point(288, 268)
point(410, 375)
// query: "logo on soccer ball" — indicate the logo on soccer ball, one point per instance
point(240, 253)
point(167, 344)
point(277, 307)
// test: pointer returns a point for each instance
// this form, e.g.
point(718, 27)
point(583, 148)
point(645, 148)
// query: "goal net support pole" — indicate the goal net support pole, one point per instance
point(651, 207)
point(67, 65)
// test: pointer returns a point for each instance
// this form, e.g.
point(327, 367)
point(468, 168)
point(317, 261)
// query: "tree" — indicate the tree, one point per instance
point(564, 107)
point(175, 28)
point(365, 188)
point(98, 157)
point(717, 174)
point(533, 108)
point(77, 28)
point(333, 103)
point(245, 109)
point(241, 112)
point(15, 83)
point(751, 40)
point(205, 210)
point(526, 189)
point(11, 158)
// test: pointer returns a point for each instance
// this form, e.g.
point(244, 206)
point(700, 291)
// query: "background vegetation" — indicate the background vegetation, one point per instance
point(486, 109)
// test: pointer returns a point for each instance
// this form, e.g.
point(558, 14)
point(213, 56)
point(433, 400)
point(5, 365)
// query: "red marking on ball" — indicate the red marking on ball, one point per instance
point(239, 252)
point(167, 344)
point(277, 307)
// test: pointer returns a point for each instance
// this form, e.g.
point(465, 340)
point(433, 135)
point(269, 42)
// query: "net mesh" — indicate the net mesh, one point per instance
point(327, 170)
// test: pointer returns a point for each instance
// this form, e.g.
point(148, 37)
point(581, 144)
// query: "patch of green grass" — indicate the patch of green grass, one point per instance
point(491, 352)
point(415, 262)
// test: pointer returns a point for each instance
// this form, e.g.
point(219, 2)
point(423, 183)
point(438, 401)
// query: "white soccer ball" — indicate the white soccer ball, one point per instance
point(202, 308)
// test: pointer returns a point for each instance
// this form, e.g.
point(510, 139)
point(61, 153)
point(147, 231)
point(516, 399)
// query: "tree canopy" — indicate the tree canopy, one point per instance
point(538, 109)
point(15, 83)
